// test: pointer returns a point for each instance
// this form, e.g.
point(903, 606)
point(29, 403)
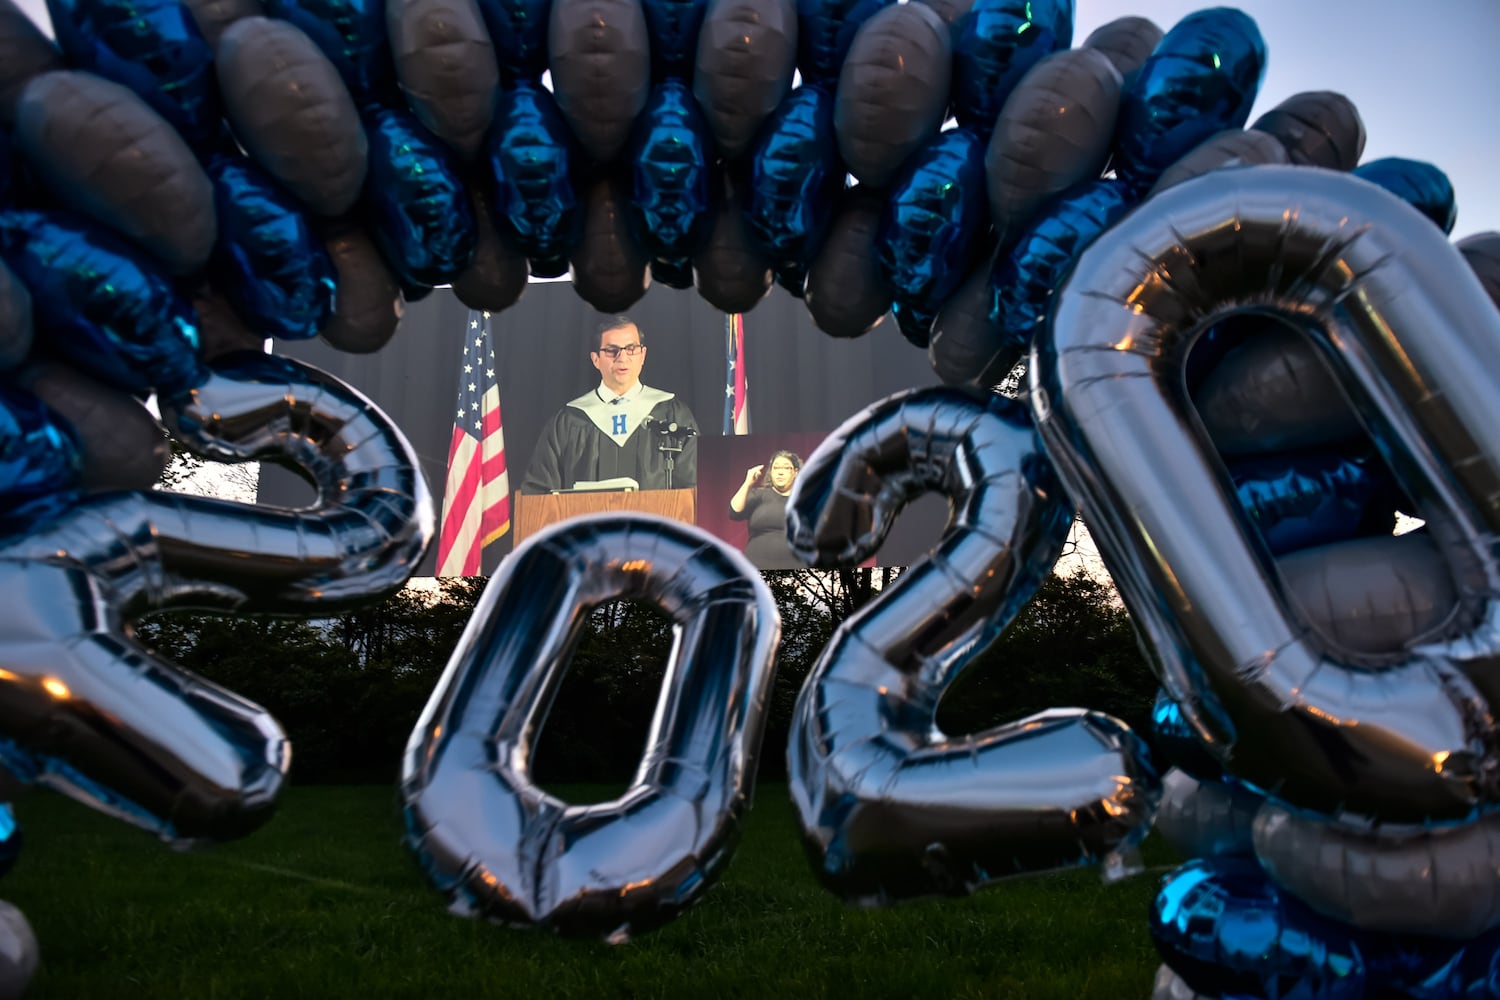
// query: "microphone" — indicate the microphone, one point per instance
point(669, 428)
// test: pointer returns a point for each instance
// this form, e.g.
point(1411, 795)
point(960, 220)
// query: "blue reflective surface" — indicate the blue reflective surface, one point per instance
point(269, 262)
point(1025, 278)
point(670, 155)
point(1420, 184)
point(101, 306)
point(795, 173)
point(1201, 78)
point(673, 28)
point(39, 462)
point(1179, 743)
point(1298, 501)
point(995, 43)
point(937, 207)
point(418, 209)
point(531, 158)
point(153, 47)
point(352, 34)
point(518, 30)
point(825, 29)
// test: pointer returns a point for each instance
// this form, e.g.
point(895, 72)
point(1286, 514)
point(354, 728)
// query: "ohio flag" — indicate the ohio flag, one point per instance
point(476, 499)
point(736, 387)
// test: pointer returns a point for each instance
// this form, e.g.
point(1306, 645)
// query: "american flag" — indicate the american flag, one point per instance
point(476, 501)
point(736, 378)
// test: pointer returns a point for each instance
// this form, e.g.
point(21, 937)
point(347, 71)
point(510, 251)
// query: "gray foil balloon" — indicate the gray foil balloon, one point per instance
point(1380, 596)
point(292, 113)
point(446, 67)
point(496, 278)
point(24, 53)
point(892, 90)
point(368, 305)
point(1441, 881)
point(122, 446)
point(500, 847)
point(1482, 251)
point(89, 711)
point(747, 51)
point(1205, 818)
point(1230, 148)
point(1127, 41)
point(609, 268)
point(19, 952)
point(843, 292)
point(949, 10)
point(220, 329)
point(214, 16)
point(731, 271)
point(1406, 326)
point(1274, 393)
point(15, 320)
point(967, 347)
point(105, 154)
point(1053, 131)
point(890, 807)
point(600, 59)
point(1319, 128)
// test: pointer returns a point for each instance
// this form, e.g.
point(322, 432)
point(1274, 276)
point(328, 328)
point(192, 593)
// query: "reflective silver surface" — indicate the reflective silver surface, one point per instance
point(1443, 881)
point(1405, 323)
point(500, 847)
point(1205, 818)
point(87, 710)
point(890, 807)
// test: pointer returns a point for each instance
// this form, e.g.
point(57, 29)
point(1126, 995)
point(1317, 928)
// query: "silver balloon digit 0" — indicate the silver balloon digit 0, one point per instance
point(890, 807)
point(1392, 307)
point(502, 848)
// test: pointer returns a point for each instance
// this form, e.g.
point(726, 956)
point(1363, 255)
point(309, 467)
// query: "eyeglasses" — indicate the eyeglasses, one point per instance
point(629, 350)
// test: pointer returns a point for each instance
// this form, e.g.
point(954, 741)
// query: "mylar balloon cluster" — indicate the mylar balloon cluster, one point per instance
point(1330, 688)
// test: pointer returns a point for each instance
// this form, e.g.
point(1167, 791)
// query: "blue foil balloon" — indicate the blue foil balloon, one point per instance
point(153, 47)
point(352, 34)
point(672, 26)
point(795, 173)
point(825, 29)
point(914, 321)
point(268, 261)
point(936, 210)
point(1298, 501)
point(518, 30)
point(531, 157)
point(97, 304)
point(418, 209)
point(1178, 742)
point(995, 43)
point(670, 155)
point(1026, 276)
point(10, 839)
point(1201, 79)
point(1419, 184)
point(673, 272)
point(39, 467)
point(1227, 930)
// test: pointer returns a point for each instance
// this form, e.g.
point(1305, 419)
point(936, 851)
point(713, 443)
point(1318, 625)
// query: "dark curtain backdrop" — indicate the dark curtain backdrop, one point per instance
point(800, 379)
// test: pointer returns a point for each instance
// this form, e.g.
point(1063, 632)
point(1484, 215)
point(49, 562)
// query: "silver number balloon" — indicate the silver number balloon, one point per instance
point(1394, 309)
point(500, 847)
point(88, 710)
point(890, 807)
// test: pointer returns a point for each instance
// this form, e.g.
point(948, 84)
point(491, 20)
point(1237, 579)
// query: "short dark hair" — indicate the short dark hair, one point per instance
point(614, 322)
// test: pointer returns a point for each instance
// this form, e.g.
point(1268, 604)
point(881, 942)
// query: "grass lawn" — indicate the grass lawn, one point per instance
point(325, 902)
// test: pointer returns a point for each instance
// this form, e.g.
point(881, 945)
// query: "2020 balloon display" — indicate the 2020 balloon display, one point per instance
point(1311, 659)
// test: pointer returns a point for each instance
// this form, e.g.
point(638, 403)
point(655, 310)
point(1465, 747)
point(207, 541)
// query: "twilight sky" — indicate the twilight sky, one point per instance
point(1423, 76)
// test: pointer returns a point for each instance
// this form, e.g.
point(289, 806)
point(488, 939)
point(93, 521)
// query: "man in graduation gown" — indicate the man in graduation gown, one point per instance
point(619, 427)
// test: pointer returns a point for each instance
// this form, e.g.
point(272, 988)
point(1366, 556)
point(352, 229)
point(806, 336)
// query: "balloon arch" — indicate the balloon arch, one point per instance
point(1238, 375)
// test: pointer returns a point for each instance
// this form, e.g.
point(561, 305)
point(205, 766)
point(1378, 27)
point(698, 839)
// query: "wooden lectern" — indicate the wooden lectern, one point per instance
point(538, 510)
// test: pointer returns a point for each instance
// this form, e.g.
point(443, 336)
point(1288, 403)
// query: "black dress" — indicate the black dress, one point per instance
point(765, 509)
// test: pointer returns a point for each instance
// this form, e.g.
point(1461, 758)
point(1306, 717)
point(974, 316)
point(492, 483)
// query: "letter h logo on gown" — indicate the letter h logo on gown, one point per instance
point(617, 424)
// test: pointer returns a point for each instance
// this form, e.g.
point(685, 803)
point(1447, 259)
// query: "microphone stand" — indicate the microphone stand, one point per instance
point(673, 440)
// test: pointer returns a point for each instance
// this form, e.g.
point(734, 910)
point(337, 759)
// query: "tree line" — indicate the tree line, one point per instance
point(348, 690)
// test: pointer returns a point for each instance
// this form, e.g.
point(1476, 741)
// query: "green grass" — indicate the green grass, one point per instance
point(325, 902)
